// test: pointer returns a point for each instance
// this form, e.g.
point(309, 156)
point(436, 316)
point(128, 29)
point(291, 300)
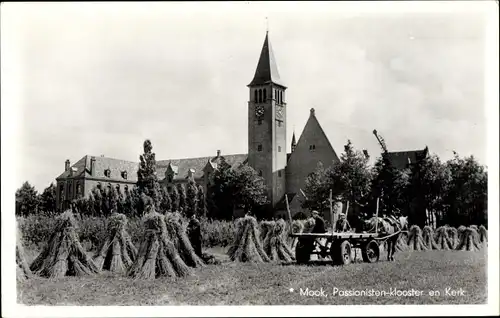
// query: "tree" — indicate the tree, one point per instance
point(174, 198)
point(147, 180)
point(201, 208)
point(390, 185)
point(467, 194)
point(48, 199)
point(128, 204)
point(27, 200)
point(235, 188)
point(165, 202)
point(220, 193)
point(316, 190)
point(182, 197)
point(429, 181)
point(249, 189)
point(191, 198)
point(350, 181)
point(98, 196)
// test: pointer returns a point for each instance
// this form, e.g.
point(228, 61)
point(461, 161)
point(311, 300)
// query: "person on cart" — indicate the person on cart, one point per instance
point(319, 223)
point(319, 227)
point(342, 224)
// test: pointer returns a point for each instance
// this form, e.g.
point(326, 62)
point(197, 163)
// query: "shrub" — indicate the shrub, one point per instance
point(36, 231)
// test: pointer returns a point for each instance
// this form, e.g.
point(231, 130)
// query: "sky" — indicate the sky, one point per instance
point(100, 78)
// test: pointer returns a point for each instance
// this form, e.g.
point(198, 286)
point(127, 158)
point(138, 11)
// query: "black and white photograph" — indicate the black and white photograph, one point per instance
point(249, 158)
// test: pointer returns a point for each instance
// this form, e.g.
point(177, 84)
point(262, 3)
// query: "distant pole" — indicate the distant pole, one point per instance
point(376, 217)
point(288, 210)
point(346, 212)
point(332, 218)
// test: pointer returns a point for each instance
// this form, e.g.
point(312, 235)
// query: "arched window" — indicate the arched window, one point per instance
point(276, 95)
point(265, 95)
point(260, 173)
point(281, 97)
point(255, 97)
point(260, 96)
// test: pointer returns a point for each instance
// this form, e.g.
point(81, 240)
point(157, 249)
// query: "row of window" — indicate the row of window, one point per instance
point(107, 174)
point(259, 148)
point(260, 96)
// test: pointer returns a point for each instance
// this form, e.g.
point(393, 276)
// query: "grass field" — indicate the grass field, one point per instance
point(270, 284)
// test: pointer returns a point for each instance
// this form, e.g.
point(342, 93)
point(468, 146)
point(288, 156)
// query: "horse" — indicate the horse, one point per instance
point(389, 226)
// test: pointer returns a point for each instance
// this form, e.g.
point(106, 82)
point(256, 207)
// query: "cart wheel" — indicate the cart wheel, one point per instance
point(302, 252)
point(342, 253)
point(371, 252)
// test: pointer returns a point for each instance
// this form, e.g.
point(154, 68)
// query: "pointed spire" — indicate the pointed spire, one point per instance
point(267, 71)
point(294, 143)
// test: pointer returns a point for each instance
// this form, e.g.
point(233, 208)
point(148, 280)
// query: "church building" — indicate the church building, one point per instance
point(284, 173)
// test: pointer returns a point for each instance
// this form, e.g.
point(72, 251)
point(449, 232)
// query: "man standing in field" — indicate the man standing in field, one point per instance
point(194, 234)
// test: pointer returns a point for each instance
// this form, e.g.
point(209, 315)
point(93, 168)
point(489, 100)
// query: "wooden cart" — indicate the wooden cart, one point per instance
point(336, 245)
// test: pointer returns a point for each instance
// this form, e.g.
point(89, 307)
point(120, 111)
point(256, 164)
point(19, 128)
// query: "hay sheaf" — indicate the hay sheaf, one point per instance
point(443, 240)
point(247, 246)
point(23, 271)
point(415, 239)
point(265, 227)
point(64, 254)
point(453, 236)
point(297, 228)
point(117, 253)
point(483, 234)
point(275, 244)
point(177, 228)
point(402, 243)
point(470, 240)
point(428, 238)
point(158, 254)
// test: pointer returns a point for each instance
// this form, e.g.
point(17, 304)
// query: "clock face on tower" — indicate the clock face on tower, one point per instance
point(259, 110)
point(279, 112)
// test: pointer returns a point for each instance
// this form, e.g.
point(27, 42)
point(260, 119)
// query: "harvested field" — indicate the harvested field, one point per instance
point(233, 283)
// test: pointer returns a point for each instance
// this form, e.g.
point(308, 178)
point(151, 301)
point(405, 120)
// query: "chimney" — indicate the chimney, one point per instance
point(218, 153)
point(92, 166)
point(66, 165)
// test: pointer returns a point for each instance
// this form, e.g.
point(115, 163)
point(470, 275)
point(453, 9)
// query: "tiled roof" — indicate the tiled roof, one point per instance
point(267, 70)
point(78, 169)
point(401, 159)
point(116, 167)
point(183, 165)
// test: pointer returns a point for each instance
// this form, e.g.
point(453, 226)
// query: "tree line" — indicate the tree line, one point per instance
point(428, 191)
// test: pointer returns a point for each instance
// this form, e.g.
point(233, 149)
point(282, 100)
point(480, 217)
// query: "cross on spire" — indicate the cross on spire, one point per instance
point(267, 25)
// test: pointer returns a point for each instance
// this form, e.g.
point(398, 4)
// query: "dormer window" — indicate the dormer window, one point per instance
point(312, 147)
point(170, 178)
point(124, 175)
point(259, 148)
point(107, 173)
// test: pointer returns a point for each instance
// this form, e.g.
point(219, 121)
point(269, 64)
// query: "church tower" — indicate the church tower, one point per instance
point(267, 124)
